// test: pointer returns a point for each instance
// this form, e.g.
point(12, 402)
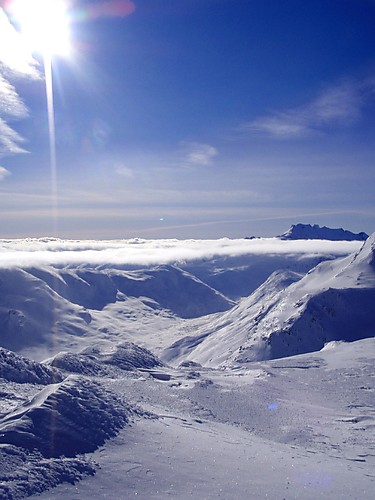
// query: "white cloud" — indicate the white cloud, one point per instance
point(16, 61)
point(124, 171)
point(9, 140)
point(3, 173)
point(340, 105)
point(153, 252)
point(10, 102)
point(15, 57)
point(199, 154)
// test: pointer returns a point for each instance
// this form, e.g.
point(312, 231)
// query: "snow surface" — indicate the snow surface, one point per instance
point(300, 427)
point(137, 372)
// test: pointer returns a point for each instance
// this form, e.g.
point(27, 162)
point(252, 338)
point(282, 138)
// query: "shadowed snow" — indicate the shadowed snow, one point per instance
point(66, 419)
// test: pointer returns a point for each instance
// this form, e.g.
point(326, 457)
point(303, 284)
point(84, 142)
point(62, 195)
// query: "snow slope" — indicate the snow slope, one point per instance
point(172, 288)
point(66, 419)
point(214, 340)
point(45, 310)
point(167, 286)
point(32, 314)
point(334, 301)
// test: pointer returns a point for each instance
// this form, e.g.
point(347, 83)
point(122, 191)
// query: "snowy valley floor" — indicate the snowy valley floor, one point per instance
point(298, 427)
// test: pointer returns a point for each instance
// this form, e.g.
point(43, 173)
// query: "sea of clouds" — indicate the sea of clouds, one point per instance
point(51, 251)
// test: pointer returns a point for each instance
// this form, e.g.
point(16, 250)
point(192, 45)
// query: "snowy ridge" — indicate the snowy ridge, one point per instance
point(315, 232)
point(217, 339)
point(23, 370)
point(72, 417)
point(334, 301)
point(126, 356)
point(168, 286)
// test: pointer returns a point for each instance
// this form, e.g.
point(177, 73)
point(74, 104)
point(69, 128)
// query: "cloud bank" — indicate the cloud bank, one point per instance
point(29, 252)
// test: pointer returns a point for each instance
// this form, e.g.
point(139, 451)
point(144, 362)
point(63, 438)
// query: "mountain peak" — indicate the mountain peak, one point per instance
point(316, 232)
point(367, 253)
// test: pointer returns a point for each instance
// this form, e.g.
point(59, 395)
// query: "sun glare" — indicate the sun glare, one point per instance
point(44, 24)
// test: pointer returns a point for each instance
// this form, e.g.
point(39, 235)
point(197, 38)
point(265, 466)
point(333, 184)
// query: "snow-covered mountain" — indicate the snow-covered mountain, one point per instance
point(32, 314)
point(248, 431)
point(316, 232)
point(45, 309)
point(172, 288)
point(167, 287)
point(334, 301)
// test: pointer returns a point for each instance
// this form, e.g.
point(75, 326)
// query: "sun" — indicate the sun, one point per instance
point(44, 24)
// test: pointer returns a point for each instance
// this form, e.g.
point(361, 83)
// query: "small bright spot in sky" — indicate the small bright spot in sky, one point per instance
point(273, 406)
point(161, 219)
point(44, 24)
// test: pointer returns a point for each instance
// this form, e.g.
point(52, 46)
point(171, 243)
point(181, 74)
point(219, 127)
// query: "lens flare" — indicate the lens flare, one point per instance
point(44, 24)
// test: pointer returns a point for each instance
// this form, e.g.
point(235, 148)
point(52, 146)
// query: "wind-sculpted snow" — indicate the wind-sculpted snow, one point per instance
point(83, 364)
point(24, 473)
point(66, 419)
point(95, 360)
point(126, 356)
point(23, 370)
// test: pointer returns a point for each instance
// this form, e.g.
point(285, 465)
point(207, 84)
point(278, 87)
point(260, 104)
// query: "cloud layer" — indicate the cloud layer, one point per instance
point(142, 252)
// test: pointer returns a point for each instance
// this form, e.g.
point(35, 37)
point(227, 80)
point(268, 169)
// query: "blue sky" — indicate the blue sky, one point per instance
point(194, 119)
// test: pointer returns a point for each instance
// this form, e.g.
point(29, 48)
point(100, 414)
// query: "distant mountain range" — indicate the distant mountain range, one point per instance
point(316, 232)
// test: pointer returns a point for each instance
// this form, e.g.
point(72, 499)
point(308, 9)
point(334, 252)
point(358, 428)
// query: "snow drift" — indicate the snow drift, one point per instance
point(66, 419)
point(93, 360)
point(19, 369)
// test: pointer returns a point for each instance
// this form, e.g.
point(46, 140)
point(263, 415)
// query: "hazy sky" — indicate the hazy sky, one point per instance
point(193, 119)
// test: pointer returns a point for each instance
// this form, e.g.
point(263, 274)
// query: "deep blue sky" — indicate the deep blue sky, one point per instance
point(199, 118)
